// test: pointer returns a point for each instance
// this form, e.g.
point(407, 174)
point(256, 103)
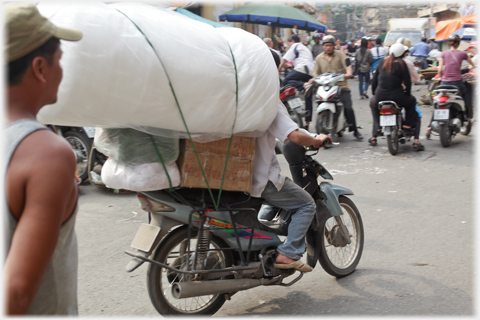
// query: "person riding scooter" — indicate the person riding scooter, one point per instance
point(451, 75)
point(388, 78)
point(279, 191)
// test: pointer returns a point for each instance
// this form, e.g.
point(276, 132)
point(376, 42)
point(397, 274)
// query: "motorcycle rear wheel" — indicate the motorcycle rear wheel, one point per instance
point(445, 135)
point(392, 141)
point(172, 251)
point(338, 258)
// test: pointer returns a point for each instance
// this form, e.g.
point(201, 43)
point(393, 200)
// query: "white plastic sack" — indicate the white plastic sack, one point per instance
point(144, 177)
point(113, 78)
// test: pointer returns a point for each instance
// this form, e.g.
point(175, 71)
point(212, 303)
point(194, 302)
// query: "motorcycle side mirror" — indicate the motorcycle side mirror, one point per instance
point(348, 62)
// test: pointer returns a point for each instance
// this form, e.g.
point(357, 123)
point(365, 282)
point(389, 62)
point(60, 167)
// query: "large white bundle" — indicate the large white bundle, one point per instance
point(114, 78)
point(143, 177)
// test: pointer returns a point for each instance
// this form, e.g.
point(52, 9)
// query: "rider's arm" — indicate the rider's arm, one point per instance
point(471, 62)
point(440, 67)
point(302, 138)
point(349, 72)
point(282, 63)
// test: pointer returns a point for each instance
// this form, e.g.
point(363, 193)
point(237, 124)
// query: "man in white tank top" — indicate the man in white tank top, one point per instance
point(40, 272)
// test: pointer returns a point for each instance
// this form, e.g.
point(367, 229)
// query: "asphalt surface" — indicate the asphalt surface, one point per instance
point(418, 215)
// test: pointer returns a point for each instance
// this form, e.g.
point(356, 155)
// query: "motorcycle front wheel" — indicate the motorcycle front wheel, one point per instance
point(392, 141)
point(340, 256)
point(445, 135)
point(81, 145)
point(323, 122)
point(173, 252)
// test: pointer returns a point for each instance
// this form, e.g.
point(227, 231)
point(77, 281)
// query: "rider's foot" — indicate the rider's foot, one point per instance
point(429, 132)
point(283, 262)
point(358, 135)
point(418, 146)
point(372, 141)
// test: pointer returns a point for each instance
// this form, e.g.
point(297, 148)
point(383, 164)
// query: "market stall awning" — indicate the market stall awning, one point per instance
point(445, 28)
point(273, 14)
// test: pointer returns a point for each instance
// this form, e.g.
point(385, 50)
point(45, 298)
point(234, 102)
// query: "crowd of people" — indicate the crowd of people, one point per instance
point(388, 71)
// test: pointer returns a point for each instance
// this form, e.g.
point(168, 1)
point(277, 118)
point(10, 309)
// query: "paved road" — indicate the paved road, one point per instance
point(417, 210)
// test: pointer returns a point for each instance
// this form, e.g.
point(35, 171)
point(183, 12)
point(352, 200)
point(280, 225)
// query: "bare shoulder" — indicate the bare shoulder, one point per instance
point(44, 146)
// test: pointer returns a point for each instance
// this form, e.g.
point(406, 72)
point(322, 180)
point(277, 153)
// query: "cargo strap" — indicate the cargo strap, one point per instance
point(215, 203)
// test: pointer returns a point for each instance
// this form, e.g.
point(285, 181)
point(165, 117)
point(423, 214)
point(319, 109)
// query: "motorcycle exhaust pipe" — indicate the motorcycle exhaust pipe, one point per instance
point(182, 290)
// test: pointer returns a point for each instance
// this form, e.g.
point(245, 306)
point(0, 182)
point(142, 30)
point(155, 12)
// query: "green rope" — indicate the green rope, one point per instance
point(170, 188)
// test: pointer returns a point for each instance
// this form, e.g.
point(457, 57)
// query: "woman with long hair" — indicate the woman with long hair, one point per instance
point(387, 82)
point(364, 59)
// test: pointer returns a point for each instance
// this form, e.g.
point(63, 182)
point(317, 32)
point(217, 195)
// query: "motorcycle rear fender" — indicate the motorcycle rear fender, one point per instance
point(165, 224)
point(333, 191)
point(326, 106)
point(388, 130)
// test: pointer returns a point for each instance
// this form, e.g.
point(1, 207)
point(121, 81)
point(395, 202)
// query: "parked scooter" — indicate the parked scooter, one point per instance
point(391, 119)
point(200, 257)
point(289, 95)
point(449, 117)
point(81, 139)
point(330, 114)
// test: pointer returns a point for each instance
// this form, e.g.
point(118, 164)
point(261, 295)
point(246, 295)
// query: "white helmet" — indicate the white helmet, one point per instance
point(397, 49)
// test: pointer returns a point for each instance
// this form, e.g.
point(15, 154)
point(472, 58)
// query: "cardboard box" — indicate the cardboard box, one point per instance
point(212, 155)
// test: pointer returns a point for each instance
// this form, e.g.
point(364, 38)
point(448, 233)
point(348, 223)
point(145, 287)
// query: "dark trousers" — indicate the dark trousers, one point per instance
point(346, 99)
point(298, 79)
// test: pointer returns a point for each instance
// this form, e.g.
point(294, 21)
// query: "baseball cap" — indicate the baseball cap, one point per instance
point(27, 29)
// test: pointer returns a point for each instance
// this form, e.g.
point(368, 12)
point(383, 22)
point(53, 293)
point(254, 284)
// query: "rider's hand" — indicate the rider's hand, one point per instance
point(320, 140)
point(347, 76)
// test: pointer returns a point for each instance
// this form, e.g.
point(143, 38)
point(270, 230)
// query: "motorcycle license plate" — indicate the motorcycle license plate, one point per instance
point(145, 237)
point(386, 121)
point(297, 102)
point(441, 114)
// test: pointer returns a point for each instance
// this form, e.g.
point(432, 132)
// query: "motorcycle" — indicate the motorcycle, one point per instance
point(351, 56)
point(81, 140)
point(199, 258)
point(391, 119)
point(289, 95)
point(330, 115)
point(449, 117)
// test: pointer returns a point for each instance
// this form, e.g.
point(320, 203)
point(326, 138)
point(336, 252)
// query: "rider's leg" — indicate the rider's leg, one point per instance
point(292, 197)
point(376, 116)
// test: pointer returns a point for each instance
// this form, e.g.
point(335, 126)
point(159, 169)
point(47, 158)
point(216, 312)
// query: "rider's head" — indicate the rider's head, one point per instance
point(454, 40)
point(397, 50)
point(317, 37)
point(404, 41)
point(364, 43)
point(329, 44)
point(378, 41)
point(294, 38)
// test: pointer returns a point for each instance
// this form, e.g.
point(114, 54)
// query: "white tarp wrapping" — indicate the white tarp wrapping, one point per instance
point(143, 177)
point(113, 77)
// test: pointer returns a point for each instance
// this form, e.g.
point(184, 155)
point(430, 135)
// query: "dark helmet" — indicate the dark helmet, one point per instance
point(455, 38)
point(317, 36)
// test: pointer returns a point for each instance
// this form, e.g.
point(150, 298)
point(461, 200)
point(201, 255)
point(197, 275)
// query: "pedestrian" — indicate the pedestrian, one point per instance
point(303, 64)
point(364, 60)
point(40, 272)
point(317, 47)
point(351, 47)
point(269, 43)
point(338, 45)
point(421, 50)
point(378, 53)
point(432, 44)
point(331, 60)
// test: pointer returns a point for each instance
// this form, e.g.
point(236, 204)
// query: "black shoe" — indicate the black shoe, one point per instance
point(358, 135)
point(339, 134)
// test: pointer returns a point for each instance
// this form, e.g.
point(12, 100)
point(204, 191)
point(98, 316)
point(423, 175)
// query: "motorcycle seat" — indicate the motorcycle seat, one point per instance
point(286, 87)
point(446, 86)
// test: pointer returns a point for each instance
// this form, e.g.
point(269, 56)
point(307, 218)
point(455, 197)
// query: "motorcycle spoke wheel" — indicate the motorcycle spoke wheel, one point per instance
point(81, 145)
point(392, 141)
point(173, 252)
point(338, 257)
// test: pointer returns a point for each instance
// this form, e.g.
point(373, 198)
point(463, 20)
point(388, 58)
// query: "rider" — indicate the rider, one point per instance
point(331, 60)
point(452, 60)
point(303, 66)
point(387, 81)
point(317, 47)
point(279, 191)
